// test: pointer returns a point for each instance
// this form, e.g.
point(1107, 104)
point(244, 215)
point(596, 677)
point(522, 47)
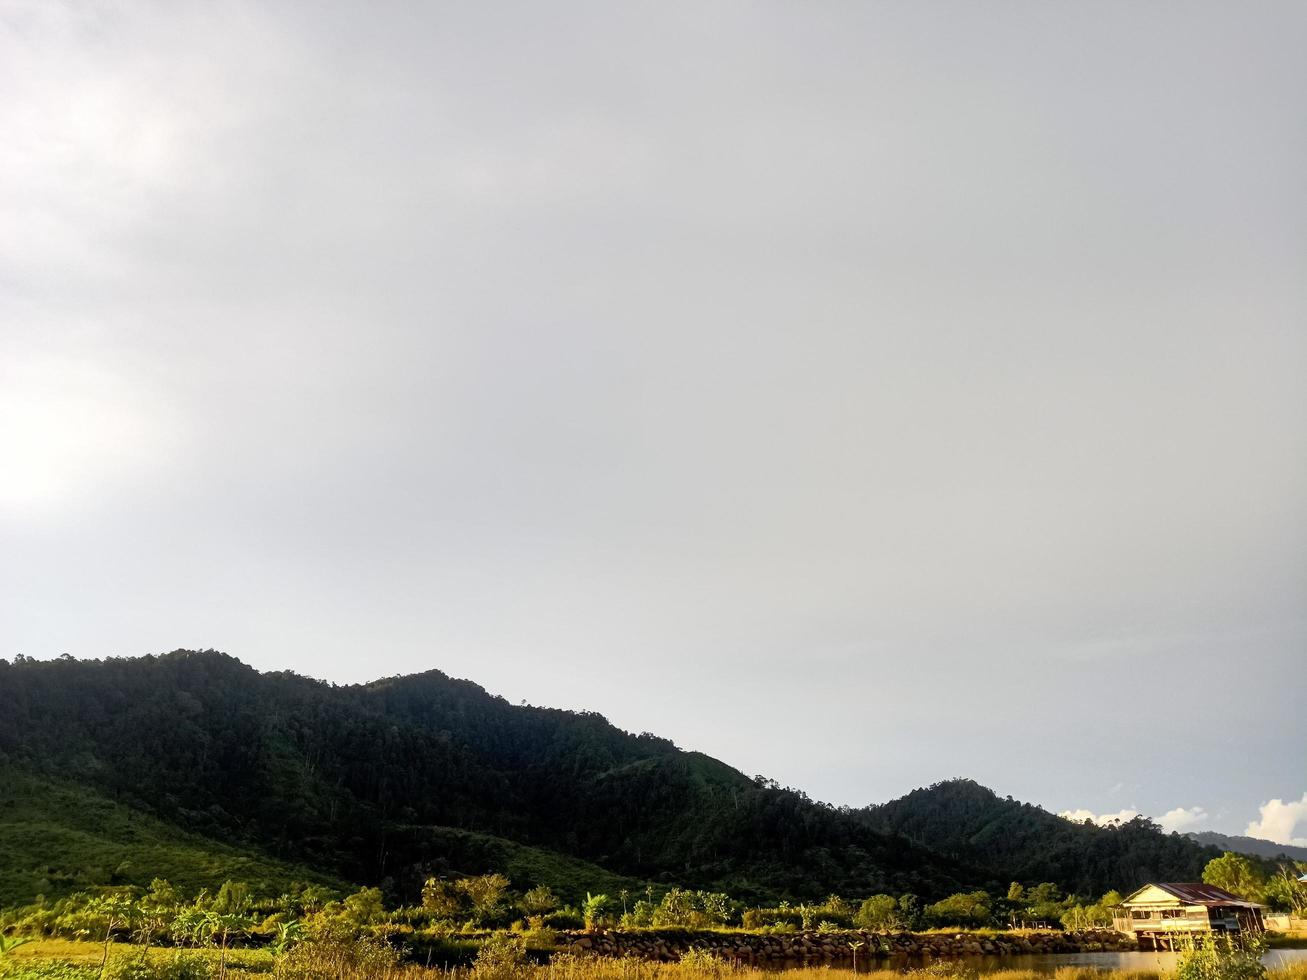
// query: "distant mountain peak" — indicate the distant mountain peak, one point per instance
point(1255, 846)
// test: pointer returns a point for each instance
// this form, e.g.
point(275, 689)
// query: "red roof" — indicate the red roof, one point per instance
point(1198, 893)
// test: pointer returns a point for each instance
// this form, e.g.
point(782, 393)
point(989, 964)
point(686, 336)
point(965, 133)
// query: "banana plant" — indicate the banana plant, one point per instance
point(289, 935)
point(10, 943)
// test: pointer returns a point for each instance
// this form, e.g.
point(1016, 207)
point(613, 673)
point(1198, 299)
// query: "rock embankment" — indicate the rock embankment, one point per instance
point(819, 948)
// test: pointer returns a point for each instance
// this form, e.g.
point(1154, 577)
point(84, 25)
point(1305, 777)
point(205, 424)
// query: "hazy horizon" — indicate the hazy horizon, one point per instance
point(864, 395)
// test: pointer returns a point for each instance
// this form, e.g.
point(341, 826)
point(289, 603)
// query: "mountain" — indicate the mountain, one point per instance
point(1023, 842)
point(1249, 845)
point(388, 782)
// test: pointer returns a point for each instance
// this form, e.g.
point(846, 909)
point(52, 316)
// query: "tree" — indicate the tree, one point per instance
point(484, 892)
point(289, 935)
point(539, 900)
point(592, 908)
point(364, 907)
point(1237, 874)
point(1285, 891)
point(909, 911)
point(155, 913)
point(221, 926)
point(114, 912)
point(962, 909)
point(440, 899)
point(877, 912)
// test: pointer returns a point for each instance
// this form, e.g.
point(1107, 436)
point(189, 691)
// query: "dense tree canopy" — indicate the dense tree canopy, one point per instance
point(968, 822)
point(356, 779)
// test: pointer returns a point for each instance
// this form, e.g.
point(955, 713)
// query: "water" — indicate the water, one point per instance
point(1049, 962)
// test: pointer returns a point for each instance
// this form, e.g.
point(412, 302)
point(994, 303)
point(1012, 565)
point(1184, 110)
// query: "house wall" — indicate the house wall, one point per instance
point(1152, 895)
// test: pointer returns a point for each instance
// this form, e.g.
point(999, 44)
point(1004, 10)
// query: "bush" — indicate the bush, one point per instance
point(706, 962)
point(180, 965)
point(565, 919)
point(502, 957)
point(1220, 958)
point(45, 970)
point(878, 912)
point(330, 958)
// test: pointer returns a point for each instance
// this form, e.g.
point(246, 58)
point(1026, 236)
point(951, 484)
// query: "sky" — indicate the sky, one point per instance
point(865, 394)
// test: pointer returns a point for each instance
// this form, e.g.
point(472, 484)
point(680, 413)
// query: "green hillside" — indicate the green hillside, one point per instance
point(1022, 842)
point(337, 778)
point(56, 839)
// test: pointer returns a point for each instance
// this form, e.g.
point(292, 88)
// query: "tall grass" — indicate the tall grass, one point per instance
point(56, 960)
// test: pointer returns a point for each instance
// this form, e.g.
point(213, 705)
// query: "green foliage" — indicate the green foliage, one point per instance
point(705, 963)
point(1218, 957)
point(441, 899)
point(1097, 915)
point(1238, 874)
point(539, 901)
point(1022, 842)
point(10, 943)
point(962, 909)
point(1284, 890)
point(178, 965)
point(46, 970)
point(339, 779)
point(879, 912)
point(57, 838)
point(592, 909)
point(331, 958)
point(289, 935)
point(485, 893)
point(682, 908)
point(1041, 905)
point(502, 957)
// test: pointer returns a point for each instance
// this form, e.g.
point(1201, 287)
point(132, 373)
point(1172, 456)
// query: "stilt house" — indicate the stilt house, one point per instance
point(1158, 913)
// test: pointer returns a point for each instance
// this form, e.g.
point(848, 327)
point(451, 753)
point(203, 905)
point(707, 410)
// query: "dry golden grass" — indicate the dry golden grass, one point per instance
point(248, 963)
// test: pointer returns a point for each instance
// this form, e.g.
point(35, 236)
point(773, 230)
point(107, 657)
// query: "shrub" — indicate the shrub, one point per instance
point(705, 961)
point(45, 970)
point(1213, 957)
point(502, 957)
point(878, 912)
point(328, 958)
point(180, 965)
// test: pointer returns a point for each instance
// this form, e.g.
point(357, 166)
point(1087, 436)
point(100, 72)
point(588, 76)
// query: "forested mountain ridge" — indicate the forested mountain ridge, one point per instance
point(1255, 846)
point(365, 781)
point(972, 824)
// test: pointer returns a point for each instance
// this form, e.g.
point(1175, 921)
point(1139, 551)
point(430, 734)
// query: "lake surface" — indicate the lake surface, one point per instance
point(1050, 962)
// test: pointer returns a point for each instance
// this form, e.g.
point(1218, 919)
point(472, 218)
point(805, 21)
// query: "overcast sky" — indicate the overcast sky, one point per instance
point(863, 393)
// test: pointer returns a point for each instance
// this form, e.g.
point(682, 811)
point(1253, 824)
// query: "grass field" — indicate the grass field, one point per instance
point(66, 960)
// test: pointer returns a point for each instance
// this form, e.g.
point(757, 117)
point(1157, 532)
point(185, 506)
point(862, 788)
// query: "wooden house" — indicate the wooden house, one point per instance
point(1157, 914)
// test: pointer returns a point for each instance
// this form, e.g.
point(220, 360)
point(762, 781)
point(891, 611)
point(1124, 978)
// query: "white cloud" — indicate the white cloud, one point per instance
point(1102, 819)
point(1181, 819)
point(1279, 819)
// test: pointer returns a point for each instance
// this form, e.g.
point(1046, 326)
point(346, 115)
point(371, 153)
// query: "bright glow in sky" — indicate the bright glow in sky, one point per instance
point(865, 394)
